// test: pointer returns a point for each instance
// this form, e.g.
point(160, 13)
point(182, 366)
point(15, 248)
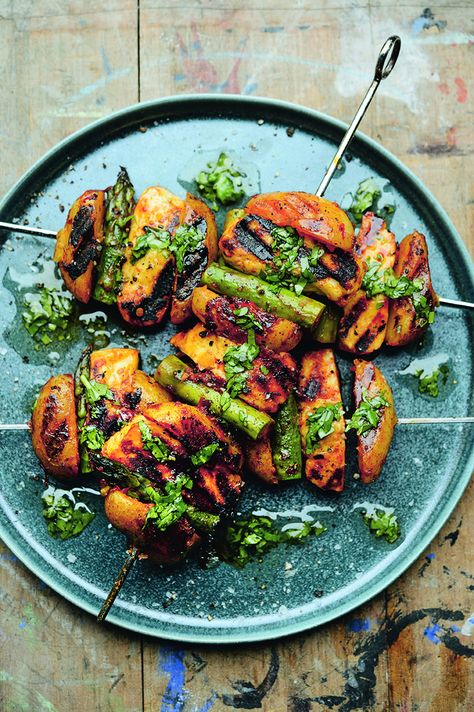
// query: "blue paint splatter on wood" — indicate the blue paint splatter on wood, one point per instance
point(431, 632)
point(358, 625)
point(430, 556)
point(172, 664)
point(22, 624)
point(455, 628)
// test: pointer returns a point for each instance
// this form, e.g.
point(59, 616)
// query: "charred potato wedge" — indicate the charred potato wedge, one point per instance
point(266, 390)
point(148, 282)
point(202, 218)
point(319, 386)
point(246, 245)
point(373, 446)
point(259, 460)
point(78, 243)
point(54, 428)
point(217, 313)
point(318, 220)
point(128, 515)
point(363, 325)
point(404, 325)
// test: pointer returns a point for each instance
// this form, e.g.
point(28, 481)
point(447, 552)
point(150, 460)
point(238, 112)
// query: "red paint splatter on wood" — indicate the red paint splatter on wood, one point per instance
point(200, 73)
point(443, 87)
point(461, 96)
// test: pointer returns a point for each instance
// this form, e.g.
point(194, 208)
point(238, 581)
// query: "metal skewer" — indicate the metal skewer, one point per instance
point(400, 421)
point(385, 63)
point(27, 230)
point(133, 555)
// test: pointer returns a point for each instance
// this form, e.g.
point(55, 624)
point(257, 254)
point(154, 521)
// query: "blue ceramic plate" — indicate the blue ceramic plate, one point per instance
point(428, 467)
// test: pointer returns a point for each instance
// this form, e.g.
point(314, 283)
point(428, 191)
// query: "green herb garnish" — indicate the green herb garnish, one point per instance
point(383, 524)
point(204, 454)
point(152, 238)
point(367, 197)
point(250, 539)
point(169, 505)
point(221, 183)
point(154, 444)
point(92, 437)
point(237, 362)
point(367, 416)
point(291, 267)
point(63, 517)
point(246, 320)
point(186, 239)
point(321, 424)
point(379, 281)
point(94, 393)
point(429, 383)
point(47, 315)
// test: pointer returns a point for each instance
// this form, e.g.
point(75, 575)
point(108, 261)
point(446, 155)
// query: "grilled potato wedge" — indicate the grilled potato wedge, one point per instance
point(54, 428)
point(217, 313)
point(363, 325)
point(202, 218)
point(259, 460)
point(128, 515)
point(265, 390)
point(373, 447)
point(404, 324)
point(150, 391)
point(148, 282)
point(78, 243)
point(319, 386)
point(317, 219)
point(246, 244)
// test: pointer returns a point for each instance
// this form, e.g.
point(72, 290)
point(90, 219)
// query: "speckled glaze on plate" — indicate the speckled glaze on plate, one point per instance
point(297, 587)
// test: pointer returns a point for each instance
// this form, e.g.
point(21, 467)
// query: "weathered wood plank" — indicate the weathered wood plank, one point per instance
point(65, 64)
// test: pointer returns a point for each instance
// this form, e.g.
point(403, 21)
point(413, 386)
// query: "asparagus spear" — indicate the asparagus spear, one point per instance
point(286, 442)
point(83, 368)
point(300, 309)
point(171, 373)
point(120, 205)
point(326, 328)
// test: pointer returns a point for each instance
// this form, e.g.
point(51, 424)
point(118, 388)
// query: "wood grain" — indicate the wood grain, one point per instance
point(70, 62)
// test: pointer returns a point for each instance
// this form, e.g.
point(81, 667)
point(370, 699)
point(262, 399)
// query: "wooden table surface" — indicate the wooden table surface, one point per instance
point(67, 63)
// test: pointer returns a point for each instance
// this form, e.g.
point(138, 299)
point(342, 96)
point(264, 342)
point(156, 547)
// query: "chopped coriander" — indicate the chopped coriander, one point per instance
point(154, 444)
point(367, 197)
point(92, 437)
point(250, 539)
point(153, 238)
point(425, 315)
point(246, 320)
point(221, 183)
point(237, 362)
point(169, 505)
point(186, 239)
point(292, 263)
point(65, 518)
point(368, 414)
point(47, 315)
point(224, 401)
point(321, 424)
point(264, 370)
point(429, 382)
point(379, 281)
point(383, 524)
point(204, 454)
point(94, 393)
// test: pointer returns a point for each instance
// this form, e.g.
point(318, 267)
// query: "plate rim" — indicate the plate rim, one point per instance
point(279, 628)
